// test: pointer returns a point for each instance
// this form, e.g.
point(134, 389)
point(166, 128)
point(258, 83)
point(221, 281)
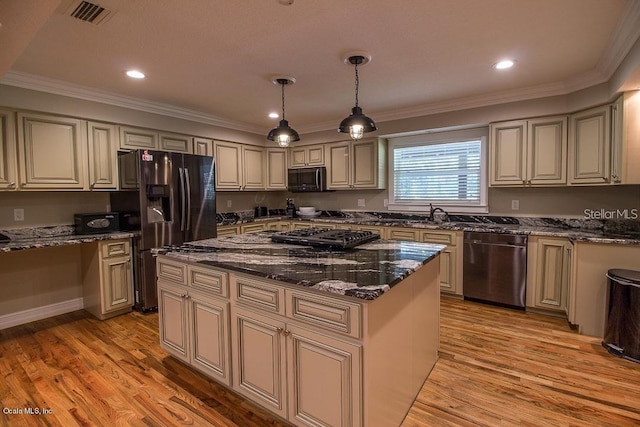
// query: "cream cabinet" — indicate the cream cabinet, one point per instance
point(203, 146)
point(107, 278)
point(194, 317)
point(549, 273)
point(276, 159)
point(625, 140)
point(102, 139)
point(174, 142)
point(309, 155)
point(253, 227)
point(590, 146)
point(8, 155)
point(227, 230)
point(52, 152)
point(239, 167)
point(356, 165)
point(528, 152)
point(450, 258)
point(279, 225)
point(399, 233)
point(132, 138)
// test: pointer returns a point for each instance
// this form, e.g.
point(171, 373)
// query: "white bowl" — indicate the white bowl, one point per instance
point(307, 210)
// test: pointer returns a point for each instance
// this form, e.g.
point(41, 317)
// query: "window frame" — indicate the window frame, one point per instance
point(442, 137)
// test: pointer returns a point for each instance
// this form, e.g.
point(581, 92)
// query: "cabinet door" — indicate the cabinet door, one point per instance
point(547, 151)
point(339, 166)
point(324, 380)
point(134, 138)
point(102, 139)
point(276, 169)
point(403, 234)
point(365, 164)
point(252, 228)
point(508, 153)
point(117, 284)
point(551, 284)
point(617, 145)
point(8, 156)
point(228, 165)
point(52, 152)
point(253, 168)
point(297, 157)
point(203, 146)
point(209, 336)
point(448, 279)
point(311, 155)
point(172, 317)
point(227, 230)
point(589, 146)
point(315, 155)
point(175, 142)
point(259, 359)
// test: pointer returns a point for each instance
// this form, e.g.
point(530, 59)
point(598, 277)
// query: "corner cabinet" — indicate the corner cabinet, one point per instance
point(357, 165)
point(549, 273)
point(590, 146)
point(625, 166)
point(528, 152)
point(8, 155)
point(102, 139)
point(194, 317)
point(310, 155)
point(108, 278)
point(52, 152)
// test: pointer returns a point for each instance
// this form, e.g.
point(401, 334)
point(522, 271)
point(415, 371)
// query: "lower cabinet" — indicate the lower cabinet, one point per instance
point(253, 227)
point(194, 327)
point(107, 278)
point(301, 375)
point(450, 258)
point(549, 273)
point(227, 230)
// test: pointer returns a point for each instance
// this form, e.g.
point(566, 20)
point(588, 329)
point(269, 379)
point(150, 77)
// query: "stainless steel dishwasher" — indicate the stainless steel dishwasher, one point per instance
point(495, 268)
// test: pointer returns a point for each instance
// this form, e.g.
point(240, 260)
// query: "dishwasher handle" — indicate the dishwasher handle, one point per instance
point(506, 245)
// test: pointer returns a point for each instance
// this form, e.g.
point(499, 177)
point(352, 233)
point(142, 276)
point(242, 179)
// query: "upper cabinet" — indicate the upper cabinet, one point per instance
point(253, 168)
point(176, 143)
point(356, 165)
point(626, 139)
point(239, 167)
point(276, 169)
point(528, 152)
point(590, 146)
point(102, 140)
point(8, 156)
point(203, 146)
point(310, 155)
point(52, 152)
point(135, 138)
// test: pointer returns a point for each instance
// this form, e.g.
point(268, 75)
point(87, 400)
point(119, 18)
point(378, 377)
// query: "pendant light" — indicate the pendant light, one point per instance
point(283, 134)
point(357, 124)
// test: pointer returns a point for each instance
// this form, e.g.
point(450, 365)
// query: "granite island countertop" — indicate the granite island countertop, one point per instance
point(364, 272)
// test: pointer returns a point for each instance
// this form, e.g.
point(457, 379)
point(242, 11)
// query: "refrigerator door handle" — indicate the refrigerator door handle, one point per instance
point(187, 213)
point(182, 200)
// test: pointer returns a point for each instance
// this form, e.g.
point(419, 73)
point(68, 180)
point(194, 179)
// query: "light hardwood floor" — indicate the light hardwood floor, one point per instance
point(497, 367)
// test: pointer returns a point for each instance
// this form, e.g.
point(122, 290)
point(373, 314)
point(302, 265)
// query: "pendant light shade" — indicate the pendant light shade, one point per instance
point(283, 135)
point(357, 124)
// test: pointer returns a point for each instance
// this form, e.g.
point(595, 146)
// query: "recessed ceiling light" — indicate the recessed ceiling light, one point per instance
point(503, 65)
point(135, 74)
point(274, 115)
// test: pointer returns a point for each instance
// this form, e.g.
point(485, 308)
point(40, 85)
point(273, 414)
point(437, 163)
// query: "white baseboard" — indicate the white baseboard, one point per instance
point(39, 313)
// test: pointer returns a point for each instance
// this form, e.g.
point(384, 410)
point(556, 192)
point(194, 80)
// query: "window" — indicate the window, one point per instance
point(446, 169)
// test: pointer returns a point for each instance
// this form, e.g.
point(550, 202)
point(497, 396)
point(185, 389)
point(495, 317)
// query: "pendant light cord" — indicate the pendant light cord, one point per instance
point(357, 84)
point(282, 84)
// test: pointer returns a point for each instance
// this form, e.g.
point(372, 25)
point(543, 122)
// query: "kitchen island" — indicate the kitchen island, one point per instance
point(317, 336)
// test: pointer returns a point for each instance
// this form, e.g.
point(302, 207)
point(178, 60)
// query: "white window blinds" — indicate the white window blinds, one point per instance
point(438, 172)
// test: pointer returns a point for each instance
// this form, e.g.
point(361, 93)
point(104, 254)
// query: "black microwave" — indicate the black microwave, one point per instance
point(307, 179)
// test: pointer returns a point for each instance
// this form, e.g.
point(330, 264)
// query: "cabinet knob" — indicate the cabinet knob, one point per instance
point(92, 185)
point(605, 179)
point(12, 185)
point(279, 330)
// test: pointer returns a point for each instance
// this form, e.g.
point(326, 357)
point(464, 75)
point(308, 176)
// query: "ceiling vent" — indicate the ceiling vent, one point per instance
point(89, 12)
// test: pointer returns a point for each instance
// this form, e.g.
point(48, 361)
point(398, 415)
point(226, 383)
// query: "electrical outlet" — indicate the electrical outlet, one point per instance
point(18, 214)
point(515, 205)
point(385, 202)
point(361, 203)
point(229, 203)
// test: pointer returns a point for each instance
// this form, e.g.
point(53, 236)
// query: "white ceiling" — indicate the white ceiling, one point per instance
point(213, 60)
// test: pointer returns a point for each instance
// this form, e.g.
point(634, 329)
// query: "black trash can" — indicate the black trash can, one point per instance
point(622, 328)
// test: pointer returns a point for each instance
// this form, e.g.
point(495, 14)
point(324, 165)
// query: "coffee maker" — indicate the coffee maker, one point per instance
point(291, 208)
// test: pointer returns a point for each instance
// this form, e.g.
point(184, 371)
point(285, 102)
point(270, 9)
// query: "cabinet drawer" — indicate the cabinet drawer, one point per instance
point(252, 228)
point(258, 294)
point(339, 316)
point(438, 237)
point(115, 248)
point(209, 280)
point(175, 271)
point(403, 234)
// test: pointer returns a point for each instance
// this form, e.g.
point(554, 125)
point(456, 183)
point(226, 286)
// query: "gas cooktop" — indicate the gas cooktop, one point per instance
point(325, 237)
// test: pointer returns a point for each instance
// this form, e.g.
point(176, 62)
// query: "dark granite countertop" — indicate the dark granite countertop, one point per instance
point(365, 272)
point(43, 237)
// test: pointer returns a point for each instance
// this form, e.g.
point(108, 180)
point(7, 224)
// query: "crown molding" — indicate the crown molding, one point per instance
point(57, 87)
point(623, 39)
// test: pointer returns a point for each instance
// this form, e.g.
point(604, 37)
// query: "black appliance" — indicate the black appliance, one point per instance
point(495, 268)
point(93, 223)
point(173, 197)
point(307, 179)
point(622, 328)
point(325, 237)
point(291, 209)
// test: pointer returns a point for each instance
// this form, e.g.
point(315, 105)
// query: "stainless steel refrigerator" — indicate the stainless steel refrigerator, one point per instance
point(171, 197)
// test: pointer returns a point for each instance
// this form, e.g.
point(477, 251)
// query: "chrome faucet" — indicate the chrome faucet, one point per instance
point(433, 210)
